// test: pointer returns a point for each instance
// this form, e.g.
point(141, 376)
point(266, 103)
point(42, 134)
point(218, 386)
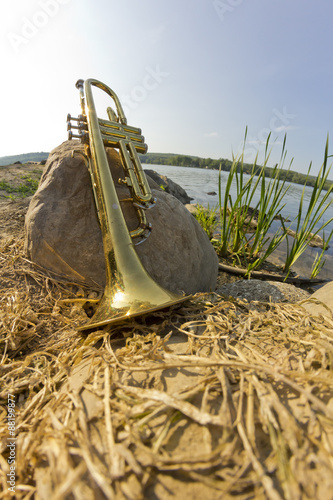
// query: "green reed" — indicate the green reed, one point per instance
point(244, 232)
point(306, 227)
point(237, 236)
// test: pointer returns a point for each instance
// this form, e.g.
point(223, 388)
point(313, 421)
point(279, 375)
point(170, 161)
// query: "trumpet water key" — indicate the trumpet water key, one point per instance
point(130, 291)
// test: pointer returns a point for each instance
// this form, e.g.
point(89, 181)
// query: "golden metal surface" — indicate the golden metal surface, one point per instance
point(129, 291)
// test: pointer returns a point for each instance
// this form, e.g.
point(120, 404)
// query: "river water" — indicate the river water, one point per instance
point(199, 182)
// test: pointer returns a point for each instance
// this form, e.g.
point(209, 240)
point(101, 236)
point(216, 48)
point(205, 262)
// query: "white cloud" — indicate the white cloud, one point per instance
point(285, 128)
point(211, 134)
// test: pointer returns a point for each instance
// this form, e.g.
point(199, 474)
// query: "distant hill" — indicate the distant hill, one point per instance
point(24, 158)
point(183, 161)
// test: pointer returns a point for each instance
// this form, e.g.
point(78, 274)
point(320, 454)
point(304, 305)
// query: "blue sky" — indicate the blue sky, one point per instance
point(191, 74)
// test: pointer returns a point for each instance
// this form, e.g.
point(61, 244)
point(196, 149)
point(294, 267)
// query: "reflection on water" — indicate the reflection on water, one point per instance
point(198, 182)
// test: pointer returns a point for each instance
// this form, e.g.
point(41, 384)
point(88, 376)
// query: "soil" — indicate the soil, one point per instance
point(17, 175)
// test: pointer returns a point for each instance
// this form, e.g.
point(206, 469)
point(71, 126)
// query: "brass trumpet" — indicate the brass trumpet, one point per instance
point(129, 290)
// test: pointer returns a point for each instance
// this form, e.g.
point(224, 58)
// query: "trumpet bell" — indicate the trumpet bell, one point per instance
point(118, 306)
point(130, 291)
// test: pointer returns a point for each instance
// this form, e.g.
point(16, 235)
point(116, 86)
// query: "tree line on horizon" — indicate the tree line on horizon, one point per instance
point(184, 161)
point(179, 160)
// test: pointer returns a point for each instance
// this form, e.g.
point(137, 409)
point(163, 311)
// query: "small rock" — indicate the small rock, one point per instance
point(169, 186)
point(263, 291)
point(321, 301)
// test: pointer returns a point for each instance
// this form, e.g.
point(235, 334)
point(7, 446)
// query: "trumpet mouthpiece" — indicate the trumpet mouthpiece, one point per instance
point(79, 84)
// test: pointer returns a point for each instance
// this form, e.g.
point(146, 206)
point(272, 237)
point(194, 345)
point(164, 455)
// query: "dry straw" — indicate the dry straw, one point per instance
point(218, 399)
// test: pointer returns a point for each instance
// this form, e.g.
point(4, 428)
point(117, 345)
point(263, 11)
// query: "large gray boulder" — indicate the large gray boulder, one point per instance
point(63, 234)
